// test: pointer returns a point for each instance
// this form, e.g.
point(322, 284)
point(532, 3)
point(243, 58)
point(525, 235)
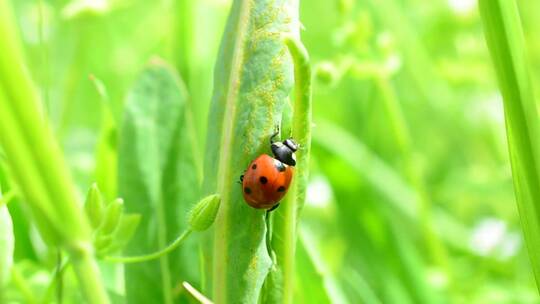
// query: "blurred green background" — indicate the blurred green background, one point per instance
point(410, 198)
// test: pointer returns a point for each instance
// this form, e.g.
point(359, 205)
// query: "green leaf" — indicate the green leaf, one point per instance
point(157, 179)
point(94, 207)
point(253, 78)
point(6, 245)
point(126, 229)
point(504, 37)
point(106, 150)
point(113, 215)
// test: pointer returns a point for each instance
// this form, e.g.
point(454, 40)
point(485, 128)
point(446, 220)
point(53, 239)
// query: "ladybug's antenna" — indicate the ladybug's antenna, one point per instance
point(276, 132)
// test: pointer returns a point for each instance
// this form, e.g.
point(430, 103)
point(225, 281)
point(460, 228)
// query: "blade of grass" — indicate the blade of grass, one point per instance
point(504, 36)
point(400, 129)
point(386, 181)
point(308, 243)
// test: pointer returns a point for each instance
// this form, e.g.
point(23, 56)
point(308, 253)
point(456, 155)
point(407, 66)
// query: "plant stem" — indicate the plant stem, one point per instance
point(286, 219)
point(38, 165)
point(55, 280)
point(196, 294)
point(151, 256)
point(88, 273)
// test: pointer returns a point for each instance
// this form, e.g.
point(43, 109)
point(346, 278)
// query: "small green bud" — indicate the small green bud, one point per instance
point(203, 214)
point(94, 207)
point(113, 215)
point(126, 229)
point(326, 73)
point(102, 243)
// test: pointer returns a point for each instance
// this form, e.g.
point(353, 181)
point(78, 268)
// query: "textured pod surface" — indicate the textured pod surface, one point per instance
point(203, 214)
point(253, 78)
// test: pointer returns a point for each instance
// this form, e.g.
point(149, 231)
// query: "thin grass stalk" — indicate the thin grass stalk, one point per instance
point(504, 36)
point(37, 163)
point(437, 251)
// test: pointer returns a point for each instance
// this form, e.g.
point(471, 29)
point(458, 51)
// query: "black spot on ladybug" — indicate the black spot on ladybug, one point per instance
point(263, 180)
point(247, 190)
point(281, 189)
point(254, 166)
point(280, 166)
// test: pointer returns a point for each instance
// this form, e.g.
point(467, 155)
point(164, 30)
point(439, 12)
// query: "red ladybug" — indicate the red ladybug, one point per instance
point(267, 178)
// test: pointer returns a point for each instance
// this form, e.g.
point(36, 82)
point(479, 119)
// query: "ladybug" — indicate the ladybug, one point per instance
point(267, 178)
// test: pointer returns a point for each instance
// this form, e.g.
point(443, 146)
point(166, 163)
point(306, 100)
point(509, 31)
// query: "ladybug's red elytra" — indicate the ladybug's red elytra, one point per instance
point(267, 178)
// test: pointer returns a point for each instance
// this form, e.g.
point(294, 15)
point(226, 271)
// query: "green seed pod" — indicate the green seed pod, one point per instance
point(203, 214)
point(94, 207)
point(113, 216)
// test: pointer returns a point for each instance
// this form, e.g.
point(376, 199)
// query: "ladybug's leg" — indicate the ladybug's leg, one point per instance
point(241, 179)
point(273, 208)
point(274, 135)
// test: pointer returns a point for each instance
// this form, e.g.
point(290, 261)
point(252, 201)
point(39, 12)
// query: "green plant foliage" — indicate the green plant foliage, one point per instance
point(420, 184)
point(106, 150)
point(39, 168)
point(94, 206)
point(6, 246)
point(157, 179)
point(505, 40)
point(112, 228)
point(253, 78)
point(280, 285)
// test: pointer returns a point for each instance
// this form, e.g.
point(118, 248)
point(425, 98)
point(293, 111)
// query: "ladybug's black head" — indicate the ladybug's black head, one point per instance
point(291, 144)
point(284, 151)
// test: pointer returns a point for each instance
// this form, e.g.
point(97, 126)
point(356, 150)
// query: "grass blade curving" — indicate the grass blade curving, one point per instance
point(504, 37)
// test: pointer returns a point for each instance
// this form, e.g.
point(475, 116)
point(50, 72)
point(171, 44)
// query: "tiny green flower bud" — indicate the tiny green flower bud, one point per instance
point(113, 215)
point(126, 229)
point(94, 207)
point(203, 214)
point(326, 73)
point(102, 243)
